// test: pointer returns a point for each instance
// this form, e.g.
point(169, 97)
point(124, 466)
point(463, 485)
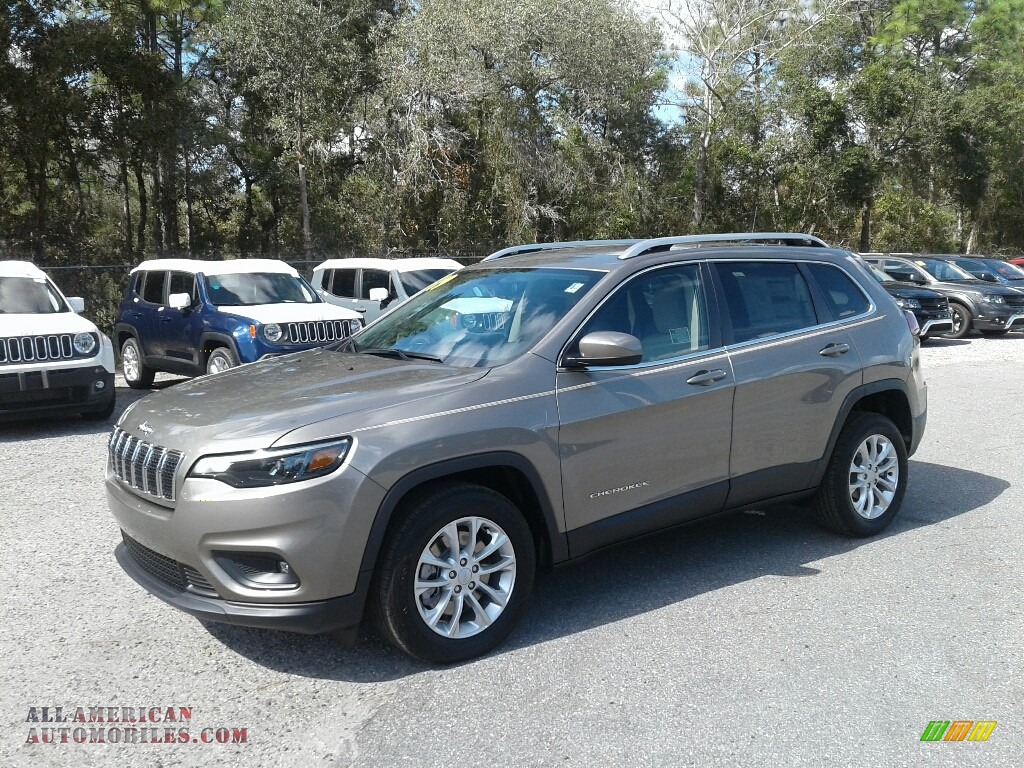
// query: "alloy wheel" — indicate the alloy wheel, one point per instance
point(874, 476)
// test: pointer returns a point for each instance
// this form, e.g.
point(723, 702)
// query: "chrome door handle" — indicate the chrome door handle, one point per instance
point(834, 350)
point(703, 378)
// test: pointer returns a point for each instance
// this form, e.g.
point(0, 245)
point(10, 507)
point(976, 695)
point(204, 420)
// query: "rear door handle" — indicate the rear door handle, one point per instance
point(703, 378)
point(834, 350)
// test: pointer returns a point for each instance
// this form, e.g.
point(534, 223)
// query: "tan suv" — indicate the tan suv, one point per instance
point(525, 411)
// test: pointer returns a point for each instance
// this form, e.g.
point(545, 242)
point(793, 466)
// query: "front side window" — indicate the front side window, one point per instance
point(665, 309)
point(248, 289)
point(765, 298)
point(842, 295)
point(478, 318)
point(29, 296)
point(374, 278)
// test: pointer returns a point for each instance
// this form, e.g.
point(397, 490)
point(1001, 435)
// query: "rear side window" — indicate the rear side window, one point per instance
point(343, 283)
point(374, 278)
point(153, 287)
point(765, 298)
point(842, 295)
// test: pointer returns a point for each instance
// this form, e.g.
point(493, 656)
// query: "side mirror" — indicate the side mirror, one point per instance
point(379, 294)
point(180, 301)
point(602, 348)
point(77, 303)
point(988, 277)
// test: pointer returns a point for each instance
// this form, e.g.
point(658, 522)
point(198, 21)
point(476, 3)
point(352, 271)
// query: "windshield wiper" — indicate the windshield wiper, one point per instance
point(401, 354)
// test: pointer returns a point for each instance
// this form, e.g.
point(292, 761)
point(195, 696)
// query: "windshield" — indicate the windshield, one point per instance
point(1004, 269)
point(29, 296)
point(944, 270)
point(479, 318)
point(414, 282)
point(243, 290)
point(879, 275)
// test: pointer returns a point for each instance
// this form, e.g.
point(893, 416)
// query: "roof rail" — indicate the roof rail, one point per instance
point(666, 243)
point(535, 247)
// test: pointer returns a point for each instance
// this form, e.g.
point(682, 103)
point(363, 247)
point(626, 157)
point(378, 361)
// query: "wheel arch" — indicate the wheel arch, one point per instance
point(211, 340)
point(507, 473)
point(888, 398)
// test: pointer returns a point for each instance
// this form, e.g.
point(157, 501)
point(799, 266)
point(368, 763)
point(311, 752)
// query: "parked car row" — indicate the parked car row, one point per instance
point(989, 304)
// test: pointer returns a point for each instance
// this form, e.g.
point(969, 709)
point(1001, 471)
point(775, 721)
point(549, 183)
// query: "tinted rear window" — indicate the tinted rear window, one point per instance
point(842, 295)
point(153, 288)
point(765, 298)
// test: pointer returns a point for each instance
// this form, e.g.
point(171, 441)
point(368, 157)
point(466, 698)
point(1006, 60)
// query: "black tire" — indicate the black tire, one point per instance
point(221, 355)
point(995, 332)
point(834, 499)
point(393, 601)
point(101, 414)
point(963, 321)
point(144, 377)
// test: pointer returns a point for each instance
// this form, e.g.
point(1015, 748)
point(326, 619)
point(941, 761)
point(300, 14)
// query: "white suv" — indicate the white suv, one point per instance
point(373, 286)
point(51, 358)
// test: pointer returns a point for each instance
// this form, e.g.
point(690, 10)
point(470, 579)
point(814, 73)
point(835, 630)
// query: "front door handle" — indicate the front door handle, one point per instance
point(834, 350)
point(703, 378)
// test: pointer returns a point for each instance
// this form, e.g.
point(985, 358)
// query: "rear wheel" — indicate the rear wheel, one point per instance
point(866, 478)
point(962, 321)
point(136, 374)
point(221, 359)
point(455, 575)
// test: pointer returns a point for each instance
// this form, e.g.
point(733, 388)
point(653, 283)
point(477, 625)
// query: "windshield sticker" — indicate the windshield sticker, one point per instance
point(921, 263)
point(574, 287)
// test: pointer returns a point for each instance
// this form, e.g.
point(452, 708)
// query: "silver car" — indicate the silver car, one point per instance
point(528, 410)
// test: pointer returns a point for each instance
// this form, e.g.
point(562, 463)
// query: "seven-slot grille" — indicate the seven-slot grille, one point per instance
point(1017, 302)
point(167, 570)
point(316, 331)
point(143, 466)
point(27, 349)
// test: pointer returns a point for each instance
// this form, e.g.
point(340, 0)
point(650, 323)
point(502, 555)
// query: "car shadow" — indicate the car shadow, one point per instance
point(60, 424)
point(939, 341)
point(650, 573)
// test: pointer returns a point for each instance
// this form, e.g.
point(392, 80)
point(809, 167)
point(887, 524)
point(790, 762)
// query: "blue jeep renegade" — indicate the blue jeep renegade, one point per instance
point(193, 317)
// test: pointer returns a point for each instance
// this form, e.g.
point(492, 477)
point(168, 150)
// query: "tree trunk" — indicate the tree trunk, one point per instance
point(126, 207)
point(140, 183)
point(307, 233)
point(700, 182)
point(865, 225)
point(158, 208)
point(188, 206)
point(960, 230)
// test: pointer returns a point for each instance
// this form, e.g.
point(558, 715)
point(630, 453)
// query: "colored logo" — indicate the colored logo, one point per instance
point(958, 730)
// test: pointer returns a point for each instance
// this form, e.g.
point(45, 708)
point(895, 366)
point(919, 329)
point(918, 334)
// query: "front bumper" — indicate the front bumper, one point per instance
point(184, 554)
point(1010, 320)
point(85, 388)
point(339, 614)
point(935, 322)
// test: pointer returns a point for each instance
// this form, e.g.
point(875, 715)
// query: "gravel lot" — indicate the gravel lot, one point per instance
point(758, 639)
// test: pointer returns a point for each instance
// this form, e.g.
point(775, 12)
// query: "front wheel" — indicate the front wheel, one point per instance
point(962, 321)
point(221, 359)
point(136, 374)
point(866, 477)
point(455, 575)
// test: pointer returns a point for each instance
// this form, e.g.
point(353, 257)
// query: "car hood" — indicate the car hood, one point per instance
point(976, 286)
point(910, 291)
point(253, 405)
point(291, 312)
point(44, 324)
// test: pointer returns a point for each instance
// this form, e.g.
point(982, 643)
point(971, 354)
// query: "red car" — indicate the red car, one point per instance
point(1018, 262)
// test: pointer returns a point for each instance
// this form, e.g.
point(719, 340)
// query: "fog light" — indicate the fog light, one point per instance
point(257, 570)
point(283, 567)
point(99, 386)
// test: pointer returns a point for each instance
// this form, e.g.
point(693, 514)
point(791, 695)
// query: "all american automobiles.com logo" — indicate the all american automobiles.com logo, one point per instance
point(124, 725)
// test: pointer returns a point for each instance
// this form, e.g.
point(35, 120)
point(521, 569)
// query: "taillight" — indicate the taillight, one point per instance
point(912, 324)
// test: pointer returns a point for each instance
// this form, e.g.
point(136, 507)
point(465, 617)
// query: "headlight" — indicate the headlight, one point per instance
point(85, 343)
point(908, 303)
point(355, 325)
point(994, 299)
point(272, 333)
point(259, 469)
